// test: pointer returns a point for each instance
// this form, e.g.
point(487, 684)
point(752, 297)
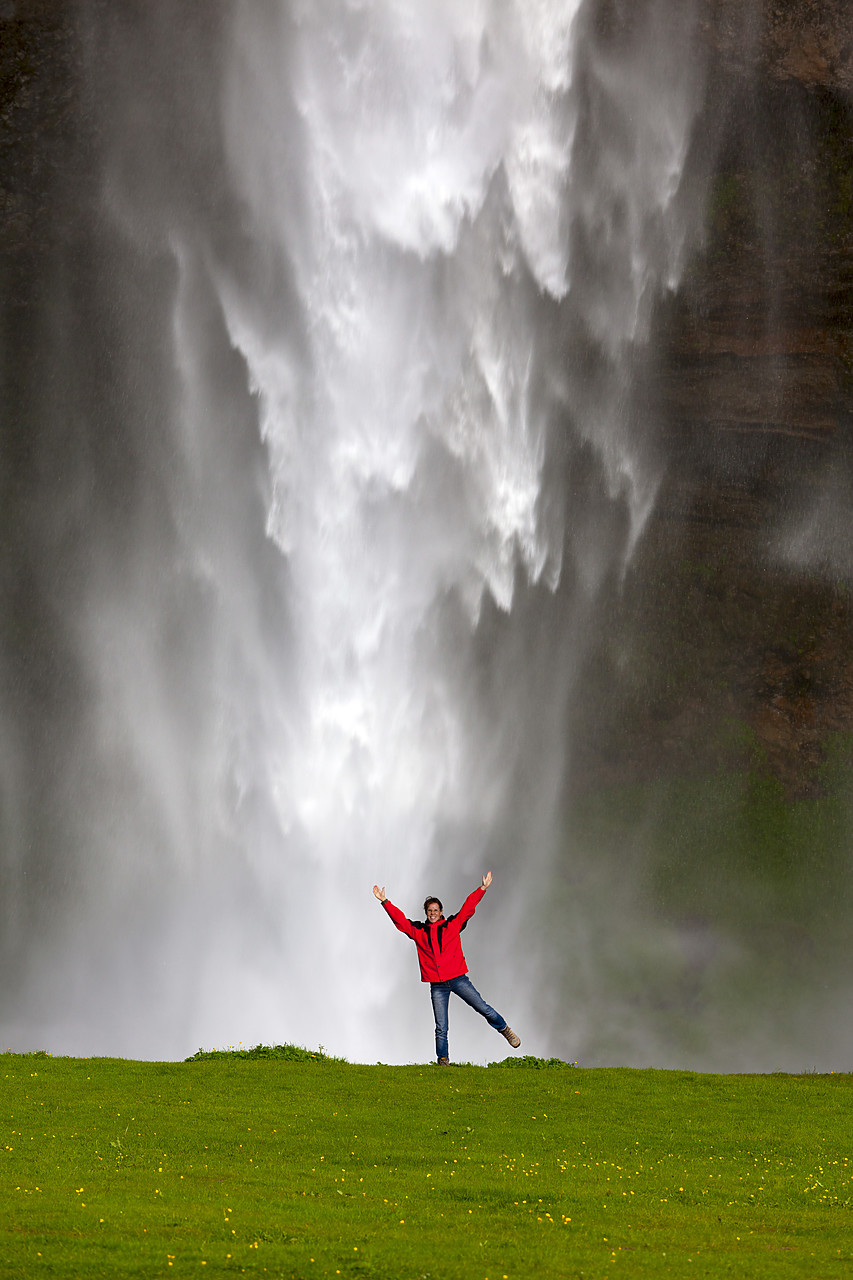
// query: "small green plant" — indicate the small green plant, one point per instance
point(284, 1052)
point(119, 1149)
point(536, 1064)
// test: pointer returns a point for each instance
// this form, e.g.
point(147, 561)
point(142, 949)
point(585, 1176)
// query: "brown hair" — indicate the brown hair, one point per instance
point(427, 901)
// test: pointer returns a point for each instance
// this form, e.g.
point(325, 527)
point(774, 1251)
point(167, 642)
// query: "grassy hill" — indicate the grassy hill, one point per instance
point(294, 1165)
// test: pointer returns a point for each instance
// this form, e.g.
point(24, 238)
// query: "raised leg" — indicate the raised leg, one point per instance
point(464, 988)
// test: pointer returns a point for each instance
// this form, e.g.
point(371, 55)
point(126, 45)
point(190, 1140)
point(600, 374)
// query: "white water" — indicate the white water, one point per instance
point(428, 252)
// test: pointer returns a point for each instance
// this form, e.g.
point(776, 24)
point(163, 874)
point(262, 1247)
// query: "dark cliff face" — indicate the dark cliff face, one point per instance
point(737, 608)
point(809, 42)
point(711, 732)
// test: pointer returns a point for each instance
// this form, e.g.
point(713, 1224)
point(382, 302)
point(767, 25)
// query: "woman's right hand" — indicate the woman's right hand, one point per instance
point(379, 893)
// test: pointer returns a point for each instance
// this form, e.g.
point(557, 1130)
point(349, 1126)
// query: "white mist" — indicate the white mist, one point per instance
point(414, 248)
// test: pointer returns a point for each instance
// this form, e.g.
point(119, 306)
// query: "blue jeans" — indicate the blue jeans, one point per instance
point(464, 988)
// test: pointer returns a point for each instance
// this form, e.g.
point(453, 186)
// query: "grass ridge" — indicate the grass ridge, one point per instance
point(242, 1163)
point(284, 1052)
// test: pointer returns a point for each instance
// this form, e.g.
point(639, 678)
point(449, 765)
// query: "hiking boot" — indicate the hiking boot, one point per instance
point(443, 1062)
point(509, 1034)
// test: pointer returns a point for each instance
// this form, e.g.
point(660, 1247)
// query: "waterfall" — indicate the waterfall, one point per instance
point(371, 285)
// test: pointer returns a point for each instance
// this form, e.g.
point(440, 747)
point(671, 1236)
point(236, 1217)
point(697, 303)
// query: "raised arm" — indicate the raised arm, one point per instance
point(395, 913)
point(469, 906)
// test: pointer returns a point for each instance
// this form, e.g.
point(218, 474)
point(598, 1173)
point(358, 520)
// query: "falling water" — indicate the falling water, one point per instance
point(353, 362)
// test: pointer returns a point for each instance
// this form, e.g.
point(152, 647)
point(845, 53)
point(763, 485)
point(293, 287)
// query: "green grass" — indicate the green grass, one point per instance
point(233, 1164)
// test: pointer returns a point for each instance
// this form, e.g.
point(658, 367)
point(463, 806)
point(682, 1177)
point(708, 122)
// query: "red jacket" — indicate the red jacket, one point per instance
point(439, 949)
